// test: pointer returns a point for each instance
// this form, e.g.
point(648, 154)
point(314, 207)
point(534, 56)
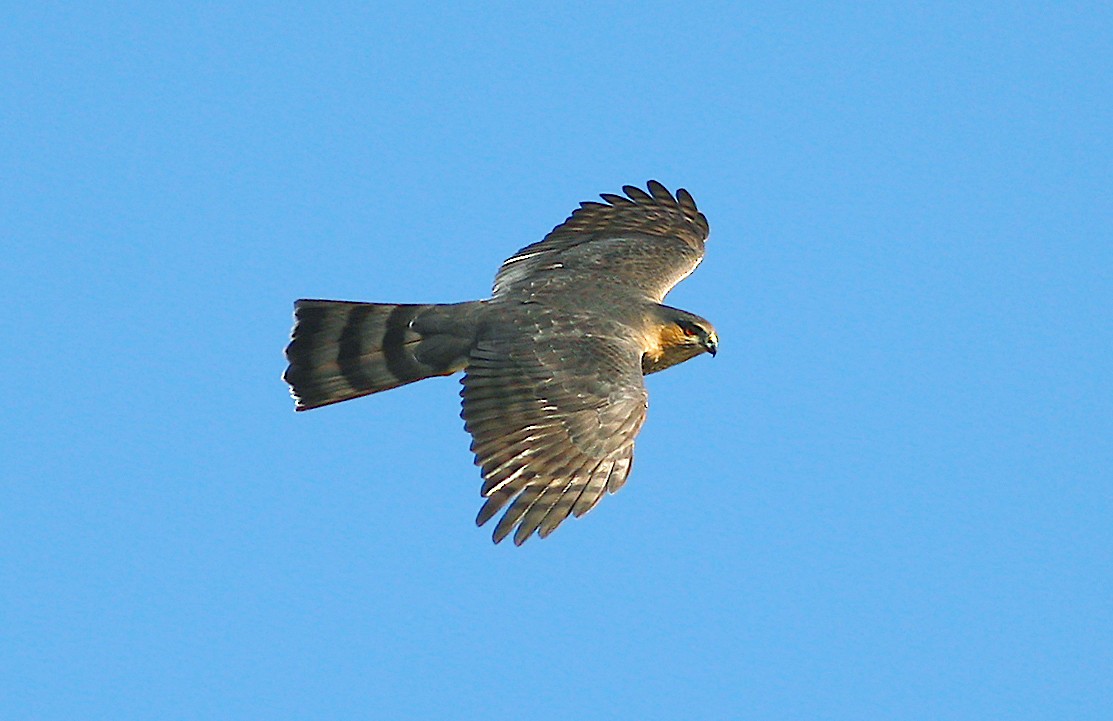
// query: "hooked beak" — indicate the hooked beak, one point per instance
point(711, 344)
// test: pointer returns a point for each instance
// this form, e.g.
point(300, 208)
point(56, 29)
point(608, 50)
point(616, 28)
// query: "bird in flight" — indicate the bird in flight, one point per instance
point(553, 361)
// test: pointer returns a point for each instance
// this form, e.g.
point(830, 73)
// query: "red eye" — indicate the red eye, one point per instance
point(690, 331)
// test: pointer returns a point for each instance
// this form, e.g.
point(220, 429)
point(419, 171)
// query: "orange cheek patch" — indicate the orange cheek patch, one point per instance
point(670, 336)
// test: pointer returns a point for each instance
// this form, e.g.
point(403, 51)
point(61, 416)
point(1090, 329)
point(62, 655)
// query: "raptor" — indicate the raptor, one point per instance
point(553, 362)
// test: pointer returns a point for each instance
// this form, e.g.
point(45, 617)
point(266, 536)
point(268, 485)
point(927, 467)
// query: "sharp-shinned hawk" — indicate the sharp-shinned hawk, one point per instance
point(553, 361)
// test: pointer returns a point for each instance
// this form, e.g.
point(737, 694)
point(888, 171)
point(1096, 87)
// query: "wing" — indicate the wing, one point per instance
point(644, 243)
point(553, 426)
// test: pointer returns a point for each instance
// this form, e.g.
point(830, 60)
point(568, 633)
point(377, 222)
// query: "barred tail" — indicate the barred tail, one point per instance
point(342, 350)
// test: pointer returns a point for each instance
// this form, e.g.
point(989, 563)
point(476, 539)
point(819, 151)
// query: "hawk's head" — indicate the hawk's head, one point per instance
point(677, 335)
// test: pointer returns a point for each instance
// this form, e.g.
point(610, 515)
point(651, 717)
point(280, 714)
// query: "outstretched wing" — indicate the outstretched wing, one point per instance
point(643, 244)
point(553, 423)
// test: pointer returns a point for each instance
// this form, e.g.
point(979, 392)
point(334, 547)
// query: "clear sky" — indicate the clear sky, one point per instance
point(889, 497)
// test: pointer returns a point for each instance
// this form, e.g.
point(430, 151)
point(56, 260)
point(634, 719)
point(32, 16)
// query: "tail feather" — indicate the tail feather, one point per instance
point(341, 350)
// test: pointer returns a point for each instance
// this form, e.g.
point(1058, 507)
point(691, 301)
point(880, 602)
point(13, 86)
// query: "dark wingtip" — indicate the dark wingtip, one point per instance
point(660, 192)
point(636, 194)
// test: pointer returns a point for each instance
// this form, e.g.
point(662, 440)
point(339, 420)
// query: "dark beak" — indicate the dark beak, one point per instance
point(711, 343)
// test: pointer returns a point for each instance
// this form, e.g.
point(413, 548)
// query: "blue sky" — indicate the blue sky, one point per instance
point(888, 497)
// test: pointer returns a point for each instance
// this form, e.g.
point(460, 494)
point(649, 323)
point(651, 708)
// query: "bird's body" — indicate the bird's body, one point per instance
point(553, 394)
